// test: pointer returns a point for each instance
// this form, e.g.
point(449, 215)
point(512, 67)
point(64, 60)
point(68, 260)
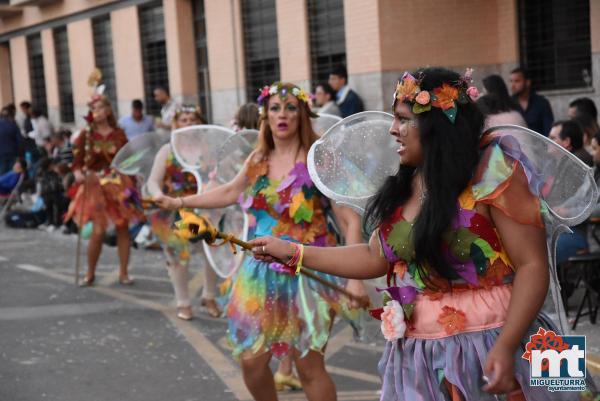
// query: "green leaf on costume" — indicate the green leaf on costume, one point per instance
point(408, 310)
point(399, 240)
point(460, 245)
point(450, 113)
point(386, 298)
point(271, 194)
point(419, 108)
point(261, 183)
point(485, 248)
point(417, 278)
point(479, 259)
point(303, 213)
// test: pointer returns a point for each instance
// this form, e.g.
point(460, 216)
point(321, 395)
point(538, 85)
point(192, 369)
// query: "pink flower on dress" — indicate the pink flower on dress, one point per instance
point(392, 321)
point(423, 98)
point(473, 92)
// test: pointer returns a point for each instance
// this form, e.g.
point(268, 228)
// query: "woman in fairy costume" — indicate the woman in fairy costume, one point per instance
point(272, 311)
point(104, 196)
point(464, 295)
point(167, 177)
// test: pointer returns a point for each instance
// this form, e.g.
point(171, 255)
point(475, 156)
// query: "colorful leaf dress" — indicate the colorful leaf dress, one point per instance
point(110, 197)
point(176, 183)
point(271, 309)
point(451, 326)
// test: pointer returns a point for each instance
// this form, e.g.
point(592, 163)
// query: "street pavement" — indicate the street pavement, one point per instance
point(112, 342)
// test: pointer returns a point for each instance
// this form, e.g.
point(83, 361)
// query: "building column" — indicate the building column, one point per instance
point(51, 77)
point(294, 42)
point(6, 89)
point(595, 39)
point(363, 51)
point(225, 58)
point(82, 58)
point(181, 50)
point(21, 82)
point(127, 55)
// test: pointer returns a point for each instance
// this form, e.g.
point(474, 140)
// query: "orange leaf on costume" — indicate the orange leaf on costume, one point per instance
point(407, 90)
point(256, 170)
point(445, 97)
point(296, 203)
point(252, 305)
point(453, 320)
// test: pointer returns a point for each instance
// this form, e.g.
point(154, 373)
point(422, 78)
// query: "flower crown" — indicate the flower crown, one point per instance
point(443, 97)
point(282, 90)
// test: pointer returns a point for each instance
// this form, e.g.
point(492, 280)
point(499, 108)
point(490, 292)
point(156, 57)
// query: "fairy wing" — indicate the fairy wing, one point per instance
point(197, 147)
point(325, 121)
point(351, 160)
point(564, 183)
point(137, 156)
point(233, 153)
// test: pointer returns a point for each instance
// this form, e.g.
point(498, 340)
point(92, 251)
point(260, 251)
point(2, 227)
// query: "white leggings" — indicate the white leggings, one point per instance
point(178, 273)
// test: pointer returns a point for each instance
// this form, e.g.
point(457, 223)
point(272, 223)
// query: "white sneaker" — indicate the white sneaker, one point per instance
point(50, 228)
point(43, 227)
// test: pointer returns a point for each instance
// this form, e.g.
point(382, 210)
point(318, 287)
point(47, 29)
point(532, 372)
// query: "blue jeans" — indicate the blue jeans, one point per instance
point(569, 244)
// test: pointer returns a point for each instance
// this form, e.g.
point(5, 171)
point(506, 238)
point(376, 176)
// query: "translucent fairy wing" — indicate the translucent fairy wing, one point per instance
point(197, 147)
point(351, 160)
point(137, 156)
point(564, 184)
point(231, 220)
point(233, 153)
point(325, 121)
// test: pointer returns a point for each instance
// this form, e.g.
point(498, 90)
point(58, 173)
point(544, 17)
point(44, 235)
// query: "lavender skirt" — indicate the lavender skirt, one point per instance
point(414, 369)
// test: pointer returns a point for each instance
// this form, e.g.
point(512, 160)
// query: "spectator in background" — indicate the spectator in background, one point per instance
point(569, 135)
point(137, 123)
point(62, 150)
point(535, 109)
point(169, 107)
point(9, 112)
point(590, 128)
point(246, 117)
point(346, 99)
point(325, 100)
point(10, 179)
point(582, 105)
point(24, 118)
point(42, 129)
point(10, 144)
point(52, 191)
point(497, 105)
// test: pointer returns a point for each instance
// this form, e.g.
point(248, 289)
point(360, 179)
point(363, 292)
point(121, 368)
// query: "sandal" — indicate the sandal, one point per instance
point(283, 382)
point(87, 281)
point(185, 312)
point(211, 307)
point(125, 281)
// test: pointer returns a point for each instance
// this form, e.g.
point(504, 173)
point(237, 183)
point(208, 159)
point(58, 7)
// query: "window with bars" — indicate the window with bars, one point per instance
point(555, 45)
point(103, 50)
point(202, 59)
point(63, 69)
point(260, 45)
point(154, 53)
point(327, 37)
point(36, 73)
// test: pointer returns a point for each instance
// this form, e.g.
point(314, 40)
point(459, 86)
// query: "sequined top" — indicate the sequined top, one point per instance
point(291, 208)
point(100, 152)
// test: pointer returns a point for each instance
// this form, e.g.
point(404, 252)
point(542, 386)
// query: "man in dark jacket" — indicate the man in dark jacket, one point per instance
point(10, 143)
point(346, 99)
point(535, 108)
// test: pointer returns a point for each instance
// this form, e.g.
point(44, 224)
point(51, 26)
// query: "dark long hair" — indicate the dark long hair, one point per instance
point(450, 156)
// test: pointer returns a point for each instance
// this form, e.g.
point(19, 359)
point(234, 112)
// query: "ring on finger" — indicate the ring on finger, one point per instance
point(264, 250)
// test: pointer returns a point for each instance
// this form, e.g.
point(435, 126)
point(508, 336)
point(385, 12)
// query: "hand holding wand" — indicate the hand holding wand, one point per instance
point(193, 227)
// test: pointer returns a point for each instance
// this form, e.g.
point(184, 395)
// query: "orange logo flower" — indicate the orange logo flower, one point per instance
point(542, 341)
